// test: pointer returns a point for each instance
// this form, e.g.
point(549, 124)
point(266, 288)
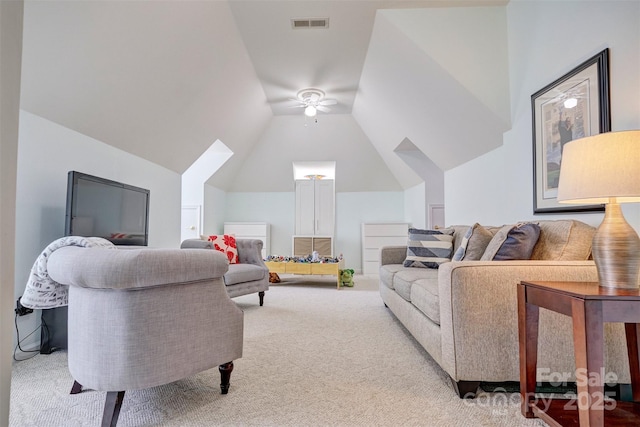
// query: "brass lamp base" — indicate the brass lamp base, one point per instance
point(616, 250)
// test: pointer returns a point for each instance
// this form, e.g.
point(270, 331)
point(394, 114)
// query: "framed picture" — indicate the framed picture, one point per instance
point(574, 106)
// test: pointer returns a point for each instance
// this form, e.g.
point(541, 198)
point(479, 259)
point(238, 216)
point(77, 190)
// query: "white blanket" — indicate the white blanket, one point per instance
point(44, 292)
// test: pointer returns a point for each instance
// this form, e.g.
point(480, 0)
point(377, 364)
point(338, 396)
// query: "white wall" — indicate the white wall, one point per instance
point(547, 40)
point(10, 60)
point(214, 210)
point(352, 209)
point(46, 152)
point(415, 206)
point(194, 178)
point(334, 138)
point(277, 209)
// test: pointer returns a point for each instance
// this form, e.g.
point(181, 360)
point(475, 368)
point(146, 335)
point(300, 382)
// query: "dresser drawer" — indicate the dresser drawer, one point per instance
point(370, 267)
point(385, 229)
point(380, 241)
point(371, 255)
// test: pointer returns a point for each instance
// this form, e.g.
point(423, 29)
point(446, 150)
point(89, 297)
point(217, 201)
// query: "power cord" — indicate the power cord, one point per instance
point(18, 347)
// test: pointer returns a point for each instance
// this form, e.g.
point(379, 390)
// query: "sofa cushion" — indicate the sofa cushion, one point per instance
point(239, 273)
point(403, 279)
point(424, 296)
point(564, 240)
point(429, 248)
point(403, 288)
point(473, 244)
point(387, 272)
point(519, 243)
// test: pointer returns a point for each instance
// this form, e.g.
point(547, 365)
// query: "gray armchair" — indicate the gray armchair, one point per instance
point(140, 318)
point(250, 275)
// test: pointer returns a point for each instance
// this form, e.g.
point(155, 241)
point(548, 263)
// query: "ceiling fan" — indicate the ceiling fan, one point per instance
point(312, 100)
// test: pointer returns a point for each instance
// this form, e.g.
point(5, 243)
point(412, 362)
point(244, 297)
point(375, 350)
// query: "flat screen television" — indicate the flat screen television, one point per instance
point(112, 210)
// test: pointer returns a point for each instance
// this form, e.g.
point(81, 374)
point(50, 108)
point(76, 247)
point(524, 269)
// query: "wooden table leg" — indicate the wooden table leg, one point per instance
point(528, 316)
point(632, 331)
point(588, 341)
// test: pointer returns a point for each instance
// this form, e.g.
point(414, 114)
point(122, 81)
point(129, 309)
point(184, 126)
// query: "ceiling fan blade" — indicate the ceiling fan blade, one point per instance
point(328, 102)
point(297, 106)
point(323, 109)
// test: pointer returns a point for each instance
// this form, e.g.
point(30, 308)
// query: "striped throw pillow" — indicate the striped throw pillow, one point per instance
point(429, 248)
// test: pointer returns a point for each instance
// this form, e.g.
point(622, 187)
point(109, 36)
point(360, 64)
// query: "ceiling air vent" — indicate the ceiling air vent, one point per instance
point(307, 23)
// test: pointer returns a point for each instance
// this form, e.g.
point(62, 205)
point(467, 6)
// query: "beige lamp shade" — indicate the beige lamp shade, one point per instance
point(598, 168)
point(605, 168)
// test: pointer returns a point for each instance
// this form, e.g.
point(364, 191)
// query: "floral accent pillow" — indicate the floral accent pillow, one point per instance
point(225, 243)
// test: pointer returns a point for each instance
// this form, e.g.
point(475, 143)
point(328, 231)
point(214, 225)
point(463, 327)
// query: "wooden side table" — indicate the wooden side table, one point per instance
point(589, 306)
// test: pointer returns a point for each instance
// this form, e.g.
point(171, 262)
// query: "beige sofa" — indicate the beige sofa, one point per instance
point(464, 313)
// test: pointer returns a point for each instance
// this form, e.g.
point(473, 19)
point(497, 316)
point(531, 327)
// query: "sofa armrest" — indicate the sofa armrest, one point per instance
point(196, 244)
point(479, 316)
point(136, 268)
point(250, 252)
point(392, 254)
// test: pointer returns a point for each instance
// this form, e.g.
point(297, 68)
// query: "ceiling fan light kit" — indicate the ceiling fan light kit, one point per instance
point(310, 111)
point(313, 100)
point(310, 95)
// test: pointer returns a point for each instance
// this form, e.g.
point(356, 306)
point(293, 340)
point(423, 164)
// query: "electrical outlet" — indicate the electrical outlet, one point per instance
point(21, 310)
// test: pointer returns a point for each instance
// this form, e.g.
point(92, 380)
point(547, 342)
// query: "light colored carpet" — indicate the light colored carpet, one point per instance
point(313, 355)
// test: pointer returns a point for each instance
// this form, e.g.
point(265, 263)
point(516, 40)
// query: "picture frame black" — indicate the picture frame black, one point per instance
point(574, 106)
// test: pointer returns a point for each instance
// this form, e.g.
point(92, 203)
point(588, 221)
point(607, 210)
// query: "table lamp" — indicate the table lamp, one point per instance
point(605, 168)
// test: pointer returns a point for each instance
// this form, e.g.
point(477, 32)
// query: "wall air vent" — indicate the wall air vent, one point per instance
point(307, 23)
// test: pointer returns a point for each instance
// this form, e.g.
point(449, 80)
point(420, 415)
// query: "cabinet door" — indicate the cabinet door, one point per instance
point(305, 207)
point(302, 246)
point(323, 246)
point(324, 207)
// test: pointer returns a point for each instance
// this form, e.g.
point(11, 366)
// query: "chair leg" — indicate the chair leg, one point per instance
point(112, 407)
point(261, 295)
point(76, 388)
point(225, 376)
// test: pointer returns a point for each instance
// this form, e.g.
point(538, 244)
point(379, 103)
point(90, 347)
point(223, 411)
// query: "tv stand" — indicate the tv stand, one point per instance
point(53, 333)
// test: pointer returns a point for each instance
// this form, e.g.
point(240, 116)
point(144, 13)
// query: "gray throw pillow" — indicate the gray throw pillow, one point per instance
point(429, 248)
point(473, 244)
point(495, 243)
point(519, 242)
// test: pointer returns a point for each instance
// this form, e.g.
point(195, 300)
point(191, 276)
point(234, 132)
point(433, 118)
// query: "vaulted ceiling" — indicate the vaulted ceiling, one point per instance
point(164, 80)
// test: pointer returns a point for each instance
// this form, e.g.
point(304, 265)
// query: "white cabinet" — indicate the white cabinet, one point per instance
point(315, 207)
point(251, 230)
point(377, 235)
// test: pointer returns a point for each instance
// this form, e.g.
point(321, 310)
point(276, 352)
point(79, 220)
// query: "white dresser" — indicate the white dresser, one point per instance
point(377, 235)
point(251, 230)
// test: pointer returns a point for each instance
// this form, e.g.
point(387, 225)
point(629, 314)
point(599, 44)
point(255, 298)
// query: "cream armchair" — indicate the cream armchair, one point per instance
point(140, 318)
